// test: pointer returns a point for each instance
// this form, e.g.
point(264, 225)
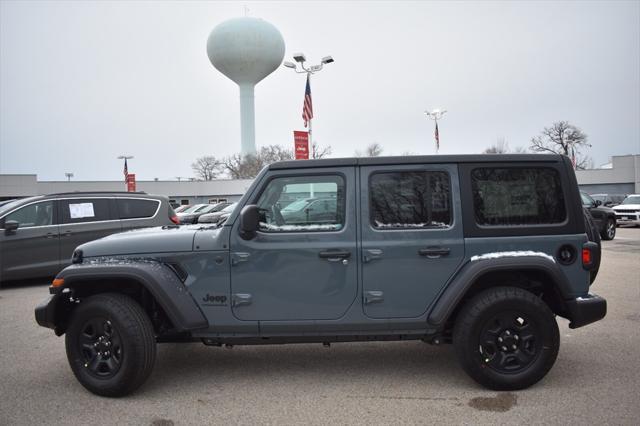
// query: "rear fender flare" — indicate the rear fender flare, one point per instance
point(476, 268)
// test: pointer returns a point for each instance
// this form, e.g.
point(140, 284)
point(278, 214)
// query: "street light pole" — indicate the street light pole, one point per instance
point(300, 58)
point(435, 115)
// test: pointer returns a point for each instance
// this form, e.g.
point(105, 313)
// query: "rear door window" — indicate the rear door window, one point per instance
point(136, 209)
point(81, 210)
point(420, 199)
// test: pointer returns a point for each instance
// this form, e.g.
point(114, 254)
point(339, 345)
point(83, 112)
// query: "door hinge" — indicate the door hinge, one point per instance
point(371, 254)
point(373, 297)
point(239, 257)
point(240, 299)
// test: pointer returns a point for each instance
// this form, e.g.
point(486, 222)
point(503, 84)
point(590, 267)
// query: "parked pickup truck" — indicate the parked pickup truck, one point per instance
point(480, 251)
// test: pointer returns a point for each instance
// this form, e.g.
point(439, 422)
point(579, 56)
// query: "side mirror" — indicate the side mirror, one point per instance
point(249, 221)
point(10, 227)
point(598, 203)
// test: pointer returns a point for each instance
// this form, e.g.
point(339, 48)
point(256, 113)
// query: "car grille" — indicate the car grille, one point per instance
point(620, 211)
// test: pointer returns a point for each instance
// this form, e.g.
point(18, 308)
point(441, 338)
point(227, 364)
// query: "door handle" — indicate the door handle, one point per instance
point(50, 235)
point(66, 234)
point(434, 252)
point(334, 255)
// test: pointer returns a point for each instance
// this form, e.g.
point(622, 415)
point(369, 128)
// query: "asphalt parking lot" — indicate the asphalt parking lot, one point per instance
point(596, 379)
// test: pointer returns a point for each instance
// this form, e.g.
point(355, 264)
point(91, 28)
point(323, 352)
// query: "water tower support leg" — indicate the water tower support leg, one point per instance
point(247, 120)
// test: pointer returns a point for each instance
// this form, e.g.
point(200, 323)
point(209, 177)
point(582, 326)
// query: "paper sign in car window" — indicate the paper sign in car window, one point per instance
point(80, 210)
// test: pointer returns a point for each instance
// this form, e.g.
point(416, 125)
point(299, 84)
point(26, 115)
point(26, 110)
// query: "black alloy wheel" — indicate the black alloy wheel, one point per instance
point(101, 347)
point(111, 344)
point(506, 338)
point(509, 342)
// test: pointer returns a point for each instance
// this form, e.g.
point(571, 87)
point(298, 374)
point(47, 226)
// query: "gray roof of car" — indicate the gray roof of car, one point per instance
point(417, 159)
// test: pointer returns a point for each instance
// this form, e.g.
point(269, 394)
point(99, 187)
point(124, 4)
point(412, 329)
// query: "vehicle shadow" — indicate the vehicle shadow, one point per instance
point(197, 366)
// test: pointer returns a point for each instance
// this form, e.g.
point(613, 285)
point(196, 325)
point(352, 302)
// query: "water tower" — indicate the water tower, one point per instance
point(246, 50)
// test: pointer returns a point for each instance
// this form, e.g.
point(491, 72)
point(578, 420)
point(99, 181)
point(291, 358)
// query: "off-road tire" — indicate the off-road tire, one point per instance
point(129, 333)
point(479, 314)
point(593, 235)
point(609, 230)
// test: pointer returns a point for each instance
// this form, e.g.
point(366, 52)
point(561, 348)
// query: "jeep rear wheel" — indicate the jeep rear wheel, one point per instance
point(110, 345)
point(506, 338)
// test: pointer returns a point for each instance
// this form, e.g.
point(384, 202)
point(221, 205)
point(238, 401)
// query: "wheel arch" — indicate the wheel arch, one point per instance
point(154, 286)
point(538, 275)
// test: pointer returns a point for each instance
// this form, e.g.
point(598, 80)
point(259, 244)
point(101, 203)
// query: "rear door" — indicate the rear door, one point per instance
point(83, 220)
point(412, 240)
point(33, 249)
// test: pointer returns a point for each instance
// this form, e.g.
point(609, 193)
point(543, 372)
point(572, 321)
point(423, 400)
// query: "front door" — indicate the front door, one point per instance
point(33, 249)
point(302, 265)
point(412, 240)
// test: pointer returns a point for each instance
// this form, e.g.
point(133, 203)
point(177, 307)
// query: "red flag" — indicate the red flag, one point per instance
point(437, 138)
point(307, 108)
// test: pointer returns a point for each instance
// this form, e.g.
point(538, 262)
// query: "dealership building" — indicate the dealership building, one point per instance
point(621, 176)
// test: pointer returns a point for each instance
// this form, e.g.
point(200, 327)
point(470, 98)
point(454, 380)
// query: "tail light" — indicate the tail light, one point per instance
point(173, 217)
point(590, 253)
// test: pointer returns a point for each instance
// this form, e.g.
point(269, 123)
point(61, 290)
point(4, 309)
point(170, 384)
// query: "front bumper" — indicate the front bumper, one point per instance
point(630, 218)
point(586, 309)
point(46, 311)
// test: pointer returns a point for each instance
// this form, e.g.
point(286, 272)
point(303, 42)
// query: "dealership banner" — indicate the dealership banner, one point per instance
point(131, 182)
point(301, 140)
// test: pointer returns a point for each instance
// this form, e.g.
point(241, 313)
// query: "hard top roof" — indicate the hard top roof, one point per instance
point(417, 159)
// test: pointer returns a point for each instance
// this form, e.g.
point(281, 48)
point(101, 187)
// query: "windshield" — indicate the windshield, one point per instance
point(7, 205)
point(195, 208)
point(632, 199)
point(599, 197)
point(586, 200)
point(219, 207)
point(229, 208)
point(296, 206)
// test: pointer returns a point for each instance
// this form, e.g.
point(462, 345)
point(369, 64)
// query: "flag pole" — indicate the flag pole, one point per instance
point(310, 119)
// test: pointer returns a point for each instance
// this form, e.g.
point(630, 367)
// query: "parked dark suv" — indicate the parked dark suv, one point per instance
point(481, 251)
point(604, 218)
point(38, 234)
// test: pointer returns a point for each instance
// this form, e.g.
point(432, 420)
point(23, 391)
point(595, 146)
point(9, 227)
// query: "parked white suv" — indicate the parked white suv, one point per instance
point(628, 212)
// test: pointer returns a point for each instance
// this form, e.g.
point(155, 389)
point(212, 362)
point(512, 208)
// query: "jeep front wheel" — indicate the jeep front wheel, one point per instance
point(110, 344)
point(506, 338)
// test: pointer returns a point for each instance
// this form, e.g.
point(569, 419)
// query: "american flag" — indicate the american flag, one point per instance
point(573, 157)
point(126, 170)
point(307, 108)
point(437, 138)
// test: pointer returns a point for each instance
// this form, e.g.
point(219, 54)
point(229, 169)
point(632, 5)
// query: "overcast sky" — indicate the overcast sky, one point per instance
point(83, 82)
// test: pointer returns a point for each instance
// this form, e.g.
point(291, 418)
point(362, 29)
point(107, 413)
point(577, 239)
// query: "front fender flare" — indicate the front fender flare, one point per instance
point(471, 271)
point(160, 280)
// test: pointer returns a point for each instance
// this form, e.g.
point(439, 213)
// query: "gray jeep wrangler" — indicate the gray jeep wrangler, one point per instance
point(481, 251)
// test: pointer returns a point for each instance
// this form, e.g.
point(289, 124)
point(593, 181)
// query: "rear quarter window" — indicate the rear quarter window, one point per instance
point(136, 209)
point(517, 196)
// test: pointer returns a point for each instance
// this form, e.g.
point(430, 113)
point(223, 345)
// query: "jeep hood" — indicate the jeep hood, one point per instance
point(147, 241)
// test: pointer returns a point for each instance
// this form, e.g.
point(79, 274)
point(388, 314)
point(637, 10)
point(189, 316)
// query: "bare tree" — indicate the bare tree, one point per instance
point(248, 166)
point(500, 147)
point(373, 150)
point(206, 167)
point(318, 151)
point(560, 138)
